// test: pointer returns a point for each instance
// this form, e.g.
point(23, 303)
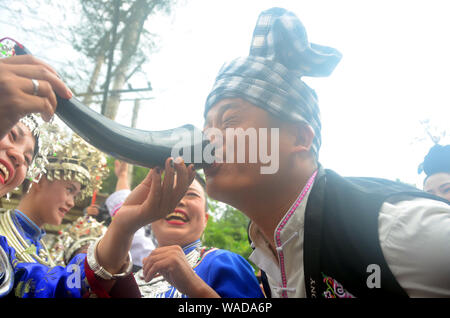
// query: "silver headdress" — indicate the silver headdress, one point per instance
point(78, 161)
point(46, 135)
point(64, 156)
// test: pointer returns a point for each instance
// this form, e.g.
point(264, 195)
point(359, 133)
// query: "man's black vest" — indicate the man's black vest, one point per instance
point(342, 252)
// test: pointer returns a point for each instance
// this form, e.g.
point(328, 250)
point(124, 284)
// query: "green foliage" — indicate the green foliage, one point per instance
point(109, 184)
point(139, 174)
point(227, 229)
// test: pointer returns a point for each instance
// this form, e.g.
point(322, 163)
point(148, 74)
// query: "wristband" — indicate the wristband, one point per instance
point(99, 270)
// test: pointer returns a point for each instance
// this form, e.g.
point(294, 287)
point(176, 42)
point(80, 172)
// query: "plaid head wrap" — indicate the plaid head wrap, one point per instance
point(437, 160)
point(270, 77)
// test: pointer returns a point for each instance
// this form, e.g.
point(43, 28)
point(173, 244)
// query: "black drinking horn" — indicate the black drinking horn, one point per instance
point(139, 147)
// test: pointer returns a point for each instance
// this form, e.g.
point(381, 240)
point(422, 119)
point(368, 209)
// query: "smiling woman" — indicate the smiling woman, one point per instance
point(73, 170)
point(181, 267)
point(72, 173)
point(17, 149)
point(187, 222)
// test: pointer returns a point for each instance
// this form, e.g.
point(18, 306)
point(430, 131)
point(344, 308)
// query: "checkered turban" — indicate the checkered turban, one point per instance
point(270, 77)
point(437, 160)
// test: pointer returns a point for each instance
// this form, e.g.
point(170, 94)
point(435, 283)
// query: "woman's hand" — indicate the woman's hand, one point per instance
point(154, 199)
point(17, 90)
point(149, 201)
point(171, 262)
point(92, 210)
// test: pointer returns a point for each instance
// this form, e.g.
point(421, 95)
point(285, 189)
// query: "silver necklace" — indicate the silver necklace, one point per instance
point(159, 286)
point(24, 251)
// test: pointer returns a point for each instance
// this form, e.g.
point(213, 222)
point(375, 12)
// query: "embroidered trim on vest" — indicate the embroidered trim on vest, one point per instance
point(205, 251)
point(282, 225)
point(335, 289)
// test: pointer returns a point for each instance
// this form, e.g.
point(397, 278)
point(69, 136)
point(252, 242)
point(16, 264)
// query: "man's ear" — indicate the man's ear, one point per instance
point(304, 137)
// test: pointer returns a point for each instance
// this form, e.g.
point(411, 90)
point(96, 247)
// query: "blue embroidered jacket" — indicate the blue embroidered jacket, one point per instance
point(229, 274)
point(34, 280)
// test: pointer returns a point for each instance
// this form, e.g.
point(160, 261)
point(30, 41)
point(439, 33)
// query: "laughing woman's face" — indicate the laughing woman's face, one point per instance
point(16, 154)
point(187, 222)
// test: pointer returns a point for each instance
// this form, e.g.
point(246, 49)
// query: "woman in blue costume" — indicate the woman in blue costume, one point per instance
point(17, 147)
point(27, 85)
point(181, 267)
point(27, 267)
point(74, 170)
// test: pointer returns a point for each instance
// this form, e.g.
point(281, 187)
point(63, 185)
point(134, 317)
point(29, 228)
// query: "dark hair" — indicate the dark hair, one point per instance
point(25, 186)
point(200, 179)
point(202, 182)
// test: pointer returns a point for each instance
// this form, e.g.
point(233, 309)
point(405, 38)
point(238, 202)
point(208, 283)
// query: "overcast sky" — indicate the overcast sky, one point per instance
point(395, 72)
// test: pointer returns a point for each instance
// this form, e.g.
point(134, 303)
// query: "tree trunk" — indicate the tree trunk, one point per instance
point(100, 59)
point(136, 107)
point(131, 34)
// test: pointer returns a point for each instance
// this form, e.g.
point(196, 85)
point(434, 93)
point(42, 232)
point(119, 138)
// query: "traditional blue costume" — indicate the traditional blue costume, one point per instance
point(27, 269)
point(38, 278)
point(229, 274)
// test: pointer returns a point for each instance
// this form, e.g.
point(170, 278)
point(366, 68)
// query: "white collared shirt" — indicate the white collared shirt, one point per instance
point(284, 272)
point(414, 235)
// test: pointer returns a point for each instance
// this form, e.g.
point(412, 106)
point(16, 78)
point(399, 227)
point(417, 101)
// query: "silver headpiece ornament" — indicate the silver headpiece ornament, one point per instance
point(46, 135)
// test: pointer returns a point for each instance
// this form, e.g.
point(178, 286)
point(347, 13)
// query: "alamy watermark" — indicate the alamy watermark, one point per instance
point(74, 277)
point(374, 279)
point(251, 145)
